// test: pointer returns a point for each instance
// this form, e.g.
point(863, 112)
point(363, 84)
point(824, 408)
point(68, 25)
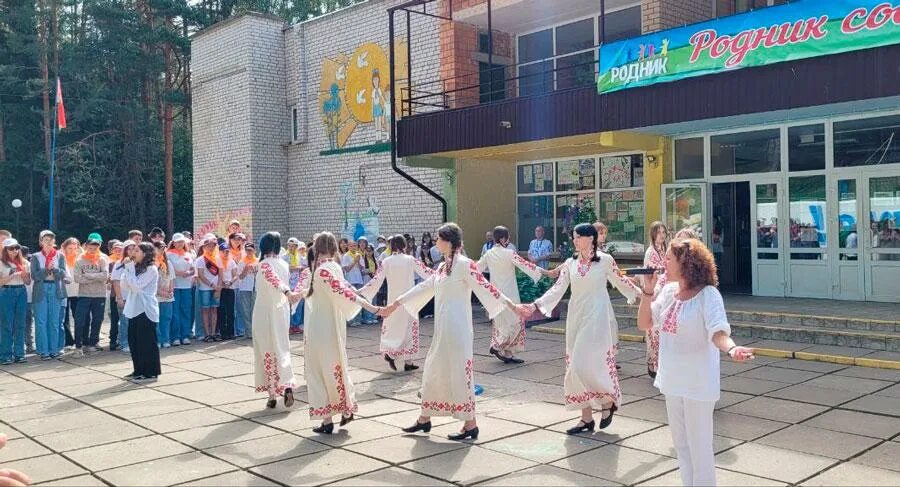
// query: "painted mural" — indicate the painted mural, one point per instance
point(219, 224)
point(358, 223)
point(355, 101)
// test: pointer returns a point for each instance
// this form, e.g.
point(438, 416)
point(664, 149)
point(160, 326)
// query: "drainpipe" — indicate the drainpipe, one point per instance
point(394, 120)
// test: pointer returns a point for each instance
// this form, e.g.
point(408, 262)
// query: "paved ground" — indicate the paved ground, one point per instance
point(75, 422)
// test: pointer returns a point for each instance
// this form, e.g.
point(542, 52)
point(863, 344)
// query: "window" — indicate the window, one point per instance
point(575, 70)
point(534, 211)
point(689, 158)
point(621, 24)
point(806, 148)
point(576, 175)
point(745, 152)
point(867, 142)
point(491, 82)
point(575, 37)
point(535, 178)
point(808, 215)
point(731, 7)
point(295, 125)
point(536, 78)
point(536, 46)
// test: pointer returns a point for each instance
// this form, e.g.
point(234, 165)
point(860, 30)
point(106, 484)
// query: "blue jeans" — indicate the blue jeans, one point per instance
point(297, 316)
point(199, 332)
point(123, 330)
point(243, 313)
point(164, 326)
point(48, 322)
point(183, 319)
point(13, 304)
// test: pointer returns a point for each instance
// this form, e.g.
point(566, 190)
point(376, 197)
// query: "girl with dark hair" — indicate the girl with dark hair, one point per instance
point(508, 334)
point(181, 258)
point(330, 303)
point(141, 279)
point(447, 381)
point(271, 319)
point(165, 295)
point(399, 332)
point(71, 249)
point(116, 276)
point(210, 267)
point(655, 257)
point(589, 335)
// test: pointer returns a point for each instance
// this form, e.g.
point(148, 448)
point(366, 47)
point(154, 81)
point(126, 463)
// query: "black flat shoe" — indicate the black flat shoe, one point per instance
point(271, 403)
point(496, 353)
point(426, 427)
point(581, 427)
point(514, 360)
point(324, 429)
point(608, 420)
point(651, 373)
point(472, 433)
point(390, 361)
point(288, 397)
point(409, 367)
point(345, 420)
point(129, 376)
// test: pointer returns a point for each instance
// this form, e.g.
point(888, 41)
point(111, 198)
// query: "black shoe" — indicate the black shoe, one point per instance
point(324, 429)
point(288, 397)
point(618, 366)
point(138, 377)
point(608, 420)
point(113, 348)
point(581, 427)
point(496, 353)
point(271, 403)
point(409, 367)
point(390, 361)
point(513, 360)
point(651, 373)
point(207, 339)
point(345, 420)
point(426, 427)
point(217, 338)
point(472, 433)
point(130, 376)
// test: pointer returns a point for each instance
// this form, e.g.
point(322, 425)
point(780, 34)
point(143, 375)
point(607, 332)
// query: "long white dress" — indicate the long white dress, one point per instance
point(271, 319)
point(591, 378)
point(508, 333)
point(400, 331)
point(447, 387)
point(653, 258)
point(332, 304)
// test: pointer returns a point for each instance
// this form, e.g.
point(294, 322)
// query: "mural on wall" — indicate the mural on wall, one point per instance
point(355, 101)
point(359, 223)
point(219, 224)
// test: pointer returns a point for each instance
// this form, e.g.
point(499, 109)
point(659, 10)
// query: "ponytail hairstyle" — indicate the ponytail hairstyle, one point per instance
point(655, 228)
point(588, 230)
point(269, 244)
point(450, 232)
point(398, 244)
point(149, 258)
point(500, 233)
point(324, 245)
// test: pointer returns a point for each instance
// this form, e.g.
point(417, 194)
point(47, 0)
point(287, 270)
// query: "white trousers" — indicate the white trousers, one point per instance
point(691, 423)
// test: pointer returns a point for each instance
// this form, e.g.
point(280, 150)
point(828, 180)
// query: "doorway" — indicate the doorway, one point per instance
point(730, 238)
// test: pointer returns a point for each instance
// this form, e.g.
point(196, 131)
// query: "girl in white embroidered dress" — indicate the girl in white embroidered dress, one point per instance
point(591, 380)
point(690, 315)
point(655, 257)
point(271, 315)
point(399, 332)
point(508, 331)
point(447, 387)
point(330, 303)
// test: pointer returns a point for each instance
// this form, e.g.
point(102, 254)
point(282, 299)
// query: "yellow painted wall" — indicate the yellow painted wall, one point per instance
point(655, 174)
point(485, 198)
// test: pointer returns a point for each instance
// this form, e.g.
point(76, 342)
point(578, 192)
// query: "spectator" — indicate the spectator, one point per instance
point(243, 313)
point(157, 235)
point(72, 251)
point(115, 248)
point(181, 259)
point(91, 274)
point(15, 273)
point(296, 261)
point(351, 262)
point(136, 236)
point(48, 269)
point(488, 243)
point(122, 293)
point(234, 227)
point(165, 296)
point(539, 249)
point(208, 269)
point(368, 268)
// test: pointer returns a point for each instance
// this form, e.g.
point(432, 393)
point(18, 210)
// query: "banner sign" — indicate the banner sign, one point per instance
point(796, 30)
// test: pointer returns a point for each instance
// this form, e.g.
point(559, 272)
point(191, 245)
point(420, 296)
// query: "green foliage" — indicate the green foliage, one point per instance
point(528, 289)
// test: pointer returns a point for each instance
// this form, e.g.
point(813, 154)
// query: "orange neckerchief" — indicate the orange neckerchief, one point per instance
point(162, 263)
point(178, 252)
point(93, 259)
point(236, 255)
point(49, 258)
point(115, 258)
point(70, 261)
point(250, 258)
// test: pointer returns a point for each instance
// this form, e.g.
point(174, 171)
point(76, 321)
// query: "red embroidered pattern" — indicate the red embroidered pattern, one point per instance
point(465, 407)
point(424, 268)
point(337, 285)
point(670, 324)
point(270, 276)
point(652, 348)
point(586, 396)
point(519, 340)
point(519, 260)
point(303, 281)
point(343, 406)
point(583, 269)
point(273, 379)
point(413, 349)
point(479, 278)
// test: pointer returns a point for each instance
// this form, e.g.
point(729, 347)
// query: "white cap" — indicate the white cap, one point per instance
point(209, 238)
point(10, 242)
point(294, 241)
point(179, 237)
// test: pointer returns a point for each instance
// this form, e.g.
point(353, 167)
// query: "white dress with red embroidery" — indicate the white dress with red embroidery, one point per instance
point(447, 387)
point(400, 331)
point(508, 334)
point(271, 319)
point(332, 304)
point(653, 258)
point(591, 378)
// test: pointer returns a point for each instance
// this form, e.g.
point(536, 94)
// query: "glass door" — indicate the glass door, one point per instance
point(766, 250)
point(847, 278)
point(882, 245)
point(808, 271)
point(684, 206)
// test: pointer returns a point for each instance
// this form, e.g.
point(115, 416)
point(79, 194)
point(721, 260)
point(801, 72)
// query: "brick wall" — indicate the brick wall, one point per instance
point(665, 14)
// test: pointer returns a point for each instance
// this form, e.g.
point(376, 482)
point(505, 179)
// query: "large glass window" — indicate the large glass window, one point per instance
point(684, 209)
point(689, 158)
point(575, 175)
point(534, 211)
point(536, 46)
point(575, 70)
point(867, 142)
point(572, 209)
point(806, 147)
point(491, 84)
point(848, 236)
point(575, 37)
point(767, 221)
point(884, 215)
point(731, 7)
point(535, 178)
point(808, 215)
point(745, 152)
point(621, 24)
point(536, 78)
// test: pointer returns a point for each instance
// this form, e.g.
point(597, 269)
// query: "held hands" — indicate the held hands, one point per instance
point(294, 297)
point(388, 310)
point(524, 311)
point(741, 354)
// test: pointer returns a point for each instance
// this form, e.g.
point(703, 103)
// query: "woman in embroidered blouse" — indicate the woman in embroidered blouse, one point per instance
point(508, 331)
point(399, 332)
point(274, 373)
point(591, 380)
point(655, 257)
point(330, 303)
point(447, 387)
point(141, 279)
point(690, 315)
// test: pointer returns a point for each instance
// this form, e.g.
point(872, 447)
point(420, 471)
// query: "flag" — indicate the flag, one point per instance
point(60, 108)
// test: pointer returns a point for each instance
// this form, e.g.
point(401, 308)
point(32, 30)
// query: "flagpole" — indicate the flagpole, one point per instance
point(53, 154)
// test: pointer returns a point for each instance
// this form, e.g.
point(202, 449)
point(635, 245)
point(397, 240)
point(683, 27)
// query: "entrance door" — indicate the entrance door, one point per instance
point(730, 238)
point(684, 206)
point(766, 251)
point(808, 270)
point(882, 244)
point(849, 217)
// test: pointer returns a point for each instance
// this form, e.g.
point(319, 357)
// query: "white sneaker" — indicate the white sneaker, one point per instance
point(166, 345)
point(186, 341)
point(126, 350)
point(78, 353)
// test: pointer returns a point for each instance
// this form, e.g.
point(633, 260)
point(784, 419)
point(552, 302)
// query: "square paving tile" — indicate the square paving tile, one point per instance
point(142, 394)
point(127, 452)
point(648, 409)
point(92, 435)
point(724, 478)
point(549, 476)
point(180, 377)
point(65, 422)
point(356, 432)
point(167, 471)
point(80, 481)
point(390, 477)
point(156, 407)
point(823, 367)
point(776, 409)
point(777, 374)
point(774, 463)
point(543, 446)
point(893, 391)
point(533, 372)
point(620, 464)
point(21, 448)
point(223, 434)
point(407, 418)
point(875, 404)
point(639, 386)
point(869, 373)
point(254, 409)
point(659, 441)
point(747, 385)
point(490, 429)
point(182, 420)
point(212, 392)
point(851, 384)
point(622, 427)
point(851, 474)
point(743, 427)
point(886, 455)
point(266, 450)
point(46, 468)
point(233, 479)
point(319, 468)
point(402, 449)
point(727, 398)
point(28, 398)
point(381, 406)
point(857, 423)
point(469, 465)
point(817, 441)
point(539, 414)
point(815, 395)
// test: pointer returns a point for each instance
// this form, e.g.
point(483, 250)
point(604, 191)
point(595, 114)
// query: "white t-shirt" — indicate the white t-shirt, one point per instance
point(200, 265)
point(354, 275)
point(182, 263)
point(116, 275)
point(688, 359)
point(248, 283)
point(166, 279)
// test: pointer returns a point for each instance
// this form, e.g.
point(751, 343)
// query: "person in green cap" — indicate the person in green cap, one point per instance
point(91, 274)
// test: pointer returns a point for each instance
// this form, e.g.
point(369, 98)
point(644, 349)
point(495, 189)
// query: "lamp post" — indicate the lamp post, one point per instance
point(17, 204)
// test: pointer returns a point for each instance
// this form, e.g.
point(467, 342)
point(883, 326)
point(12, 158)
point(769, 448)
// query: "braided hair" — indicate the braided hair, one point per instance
point(451, 233)
point(324, 244)
point(588, 230)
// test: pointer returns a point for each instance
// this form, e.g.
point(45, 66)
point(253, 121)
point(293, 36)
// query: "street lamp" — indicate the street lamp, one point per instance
point(17, 204)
